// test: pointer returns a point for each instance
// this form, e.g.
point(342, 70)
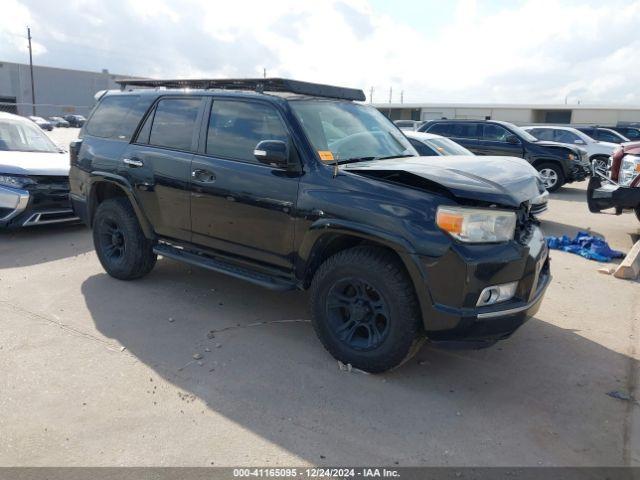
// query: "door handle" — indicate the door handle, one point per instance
point(204, 176)
point(132, 162)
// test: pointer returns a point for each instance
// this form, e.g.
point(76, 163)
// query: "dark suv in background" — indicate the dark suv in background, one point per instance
point(557, 164)
point(604, 134)
point(292, 185)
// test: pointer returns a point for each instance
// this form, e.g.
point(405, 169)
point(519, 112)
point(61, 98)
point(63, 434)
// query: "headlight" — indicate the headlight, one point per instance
point(15, 181)
point(630, 169)
point(475, 225)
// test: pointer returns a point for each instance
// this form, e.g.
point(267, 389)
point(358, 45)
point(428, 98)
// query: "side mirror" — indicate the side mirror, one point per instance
point(578, 142)
point(272, 152)
point(512, 139)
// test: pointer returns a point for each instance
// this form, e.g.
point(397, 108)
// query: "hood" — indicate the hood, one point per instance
point(632, 148)
point(545, 143)
point(507, 181)
point(34, 163)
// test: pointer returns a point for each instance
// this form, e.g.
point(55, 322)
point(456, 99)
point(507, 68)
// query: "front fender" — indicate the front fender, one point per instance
point(323, 231)
point(98, 178)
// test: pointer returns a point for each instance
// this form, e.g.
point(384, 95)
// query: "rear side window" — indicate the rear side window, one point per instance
point(235, 128)
point(117, 116)
point(173, 123)
point(542, 133)
point(440, 129)
point(564, 136)
point(605, 136)
point(464, 130)
point(631, 133)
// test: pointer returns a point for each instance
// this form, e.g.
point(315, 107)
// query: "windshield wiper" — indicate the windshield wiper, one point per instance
point(368, 159)
point(355, 159)
point(394, 156)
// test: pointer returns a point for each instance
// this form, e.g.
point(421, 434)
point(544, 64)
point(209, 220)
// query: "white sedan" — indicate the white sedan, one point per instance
point(429, 144)
point(599, 152)
point(34, 176)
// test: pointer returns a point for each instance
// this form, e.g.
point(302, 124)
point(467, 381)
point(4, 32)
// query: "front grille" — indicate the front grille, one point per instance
point(49, 192)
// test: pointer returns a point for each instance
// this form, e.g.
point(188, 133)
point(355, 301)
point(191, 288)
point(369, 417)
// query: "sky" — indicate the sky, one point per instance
point(467, 51)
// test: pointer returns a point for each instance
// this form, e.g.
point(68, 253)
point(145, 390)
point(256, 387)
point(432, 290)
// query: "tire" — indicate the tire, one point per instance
point(364, 309)
point(552, 176)
point(123, 250)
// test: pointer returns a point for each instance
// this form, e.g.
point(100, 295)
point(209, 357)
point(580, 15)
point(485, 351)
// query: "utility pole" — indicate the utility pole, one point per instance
point(264, 73)
point(371, 95)
point(401, 96)
point(33, 90)
point(390, 93)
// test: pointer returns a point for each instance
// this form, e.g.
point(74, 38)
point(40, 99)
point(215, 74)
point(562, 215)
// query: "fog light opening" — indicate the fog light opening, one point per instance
point(497, 293)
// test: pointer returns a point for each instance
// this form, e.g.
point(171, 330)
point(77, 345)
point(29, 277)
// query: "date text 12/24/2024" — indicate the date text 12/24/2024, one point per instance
point(315, 472)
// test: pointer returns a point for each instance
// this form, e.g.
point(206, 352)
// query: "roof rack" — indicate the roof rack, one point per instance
point(256, 84)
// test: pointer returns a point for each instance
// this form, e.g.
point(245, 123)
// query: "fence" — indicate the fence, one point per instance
point(44, 110)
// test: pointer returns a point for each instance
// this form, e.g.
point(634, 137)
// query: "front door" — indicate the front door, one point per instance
point(239, 205)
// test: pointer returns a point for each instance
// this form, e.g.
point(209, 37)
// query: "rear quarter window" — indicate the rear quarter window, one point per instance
point(117, 116)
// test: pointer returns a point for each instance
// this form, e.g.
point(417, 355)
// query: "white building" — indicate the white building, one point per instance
point(518, 114)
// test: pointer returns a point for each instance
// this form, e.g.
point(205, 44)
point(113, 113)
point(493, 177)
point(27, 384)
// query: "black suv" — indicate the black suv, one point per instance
point(557, 164)
point(293, 185)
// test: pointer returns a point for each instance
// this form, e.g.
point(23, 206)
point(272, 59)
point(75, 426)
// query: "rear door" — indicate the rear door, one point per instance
point(159, 163)
point(493, 141)
point(239, 205)
point(465, 134)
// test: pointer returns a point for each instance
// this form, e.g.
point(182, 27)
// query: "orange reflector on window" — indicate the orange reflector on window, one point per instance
point(325, 155)
point(449, 222)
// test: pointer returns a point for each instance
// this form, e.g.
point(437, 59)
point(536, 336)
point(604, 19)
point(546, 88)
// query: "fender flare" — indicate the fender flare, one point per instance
point(321, 230)
point(121, 183)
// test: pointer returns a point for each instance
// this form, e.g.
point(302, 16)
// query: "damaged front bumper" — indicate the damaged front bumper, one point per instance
point(603, 195)
point(455, 281)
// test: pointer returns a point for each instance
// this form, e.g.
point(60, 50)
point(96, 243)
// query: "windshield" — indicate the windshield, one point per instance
point(346, 131)
point(24, 137)
point(521, 132)
point(444, 146)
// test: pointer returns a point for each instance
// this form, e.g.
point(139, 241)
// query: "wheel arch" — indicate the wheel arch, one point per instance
point(541, 160)
point(106, 186)
point(326, 238)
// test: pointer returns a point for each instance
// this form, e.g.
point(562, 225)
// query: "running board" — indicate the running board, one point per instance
point(257, 278)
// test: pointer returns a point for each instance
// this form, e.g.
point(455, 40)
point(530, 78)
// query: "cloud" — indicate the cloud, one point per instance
point(508, 52)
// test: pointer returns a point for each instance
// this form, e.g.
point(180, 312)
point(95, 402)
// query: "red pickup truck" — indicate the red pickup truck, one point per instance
point(619, 186)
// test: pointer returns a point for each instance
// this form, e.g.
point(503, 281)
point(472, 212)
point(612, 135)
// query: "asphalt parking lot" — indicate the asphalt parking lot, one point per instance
point(100, 372)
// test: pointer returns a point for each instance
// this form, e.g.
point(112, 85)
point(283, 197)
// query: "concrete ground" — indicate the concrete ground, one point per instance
point(97, 372)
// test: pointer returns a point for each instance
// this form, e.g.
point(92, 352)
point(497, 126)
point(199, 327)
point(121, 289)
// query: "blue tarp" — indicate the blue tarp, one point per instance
point(586, 245)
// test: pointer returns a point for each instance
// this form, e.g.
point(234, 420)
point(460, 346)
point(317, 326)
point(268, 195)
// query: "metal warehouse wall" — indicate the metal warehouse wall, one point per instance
point(518, 114)
point(58, 91)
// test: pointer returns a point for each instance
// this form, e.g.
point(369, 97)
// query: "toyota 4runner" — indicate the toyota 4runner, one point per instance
point(294, 185)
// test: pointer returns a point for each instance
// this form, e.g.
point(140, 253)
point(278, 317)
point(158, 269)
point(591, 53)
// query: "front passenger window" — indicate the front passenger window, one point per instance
point(495, 133)
point(236, 127)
